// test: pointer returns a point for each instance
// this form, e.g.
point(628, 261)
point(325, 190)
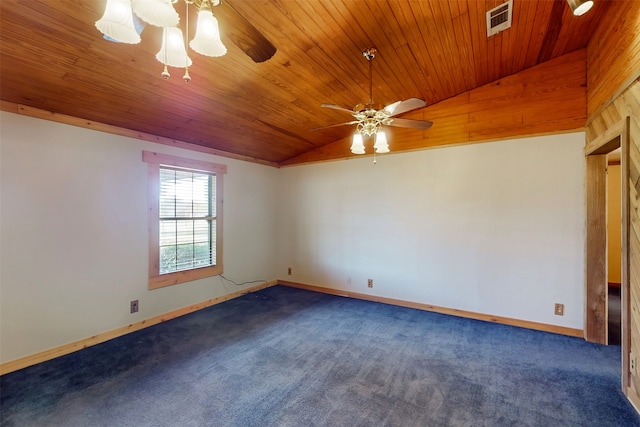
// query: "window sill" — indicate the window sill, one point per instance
point(170, 279)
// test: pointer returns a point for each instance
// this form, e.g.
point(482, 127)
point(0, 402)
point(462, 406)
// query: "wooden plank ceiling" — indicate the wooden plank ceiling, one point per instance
point(53, 58)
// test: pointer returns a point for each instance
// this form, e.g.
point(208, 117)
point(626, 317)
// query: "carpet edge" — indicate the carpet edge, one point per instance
point(52, 353)
point(555, 329)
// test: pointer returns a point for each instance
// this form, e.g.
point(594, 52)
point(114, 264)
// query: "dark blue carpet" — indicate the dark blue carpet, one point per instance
point(288, 357)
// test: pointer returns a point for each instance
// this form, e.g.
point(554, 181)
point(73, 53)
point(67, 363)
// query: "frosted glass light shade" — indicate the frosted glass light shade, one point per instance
point(357, 146)
point(137, 24)
point(580, 7)
point(207, 39)
point(117, 22)
point(156, 12)
point(173, 52)
point(381, 145)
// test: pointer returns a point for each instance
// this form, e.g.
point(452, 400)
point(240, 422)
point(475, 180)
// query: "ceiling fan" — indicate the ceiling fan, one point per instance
point(124, 20)
point(370, 117)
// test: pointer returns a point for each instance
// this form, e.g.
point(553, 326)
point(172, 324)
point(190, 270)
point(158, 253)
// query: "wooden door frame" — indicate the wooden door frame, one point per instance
point(595, 328)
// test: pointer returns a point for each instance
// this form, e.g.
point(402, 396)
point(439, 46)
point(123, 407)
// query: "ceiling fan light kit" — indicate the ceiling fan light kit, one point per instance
point(580, 7)
point(369, 118)
point(173, 52)
point(117, 24)
point(159, 13)
point(207, 39)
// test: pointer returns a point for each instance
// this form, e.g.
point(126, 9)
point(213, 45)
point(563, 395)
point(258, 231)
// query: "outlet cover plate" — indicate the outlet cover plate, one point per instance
point(559, 310)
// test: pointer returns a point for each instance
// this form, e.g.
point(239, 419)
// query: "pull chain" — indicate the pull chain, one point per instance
point(186, 77)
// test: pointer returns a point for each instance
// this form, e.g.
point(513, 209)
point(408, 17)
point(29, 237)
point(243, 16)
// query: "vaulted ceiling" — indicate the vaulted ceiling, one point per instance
point(53, 58)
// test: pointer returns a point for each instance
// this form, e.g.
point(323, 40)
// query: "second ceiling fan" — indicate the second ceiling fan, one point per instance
point(370, 117)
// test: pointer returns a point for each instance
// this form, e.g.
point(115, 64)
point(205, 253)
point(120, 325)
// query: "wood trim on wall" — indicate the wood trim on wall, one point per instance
point(607, 141)
point(595, 327)
point(154, 160)
point(625, 286)
point(52, 353)
point(25, 110)
point(443, 310)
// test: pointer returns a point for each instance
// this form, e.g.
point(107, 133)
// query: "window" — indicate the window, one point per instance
point(185, 219)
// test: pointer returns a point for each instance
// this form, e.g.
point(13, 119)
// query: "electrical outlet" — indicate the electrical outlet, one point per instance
point(289, 271)
point(633, 364)
point(559, 310)
point(134, 306)
point(370, 283)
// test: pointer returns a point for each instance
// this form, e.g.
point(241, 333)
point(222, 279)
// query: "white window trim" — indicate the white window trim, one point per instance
point(154, 161)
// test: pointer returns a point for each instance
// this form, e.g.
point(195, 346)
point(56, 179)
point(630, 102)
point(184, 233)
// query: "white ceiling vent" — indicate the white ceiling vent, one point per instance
point(499, 18)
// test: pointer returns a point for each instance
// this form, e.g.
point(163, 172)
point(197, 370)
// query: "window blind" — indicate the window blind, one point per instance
point(187, 215)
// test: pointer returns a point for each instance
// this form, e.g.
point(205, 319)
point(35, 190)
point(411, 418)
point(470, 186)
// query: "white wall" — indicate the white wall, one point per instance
point(74, 241)
point(494, 228)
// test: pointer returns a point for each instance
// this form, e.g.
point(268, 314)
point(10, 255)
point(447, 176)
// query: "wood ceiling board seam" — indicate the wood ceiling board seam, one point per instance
point(37, 22)
point(456, 67)
point(507, 48)
point(7, 65)
point(443, 71)
point(113, 88)
point(433, 90)
point(454, 9)
point(417, 58)
point(395, 55)
point(433, 51)
point(371, 36)
point(329, 46)
point(602, 11)
point(323, 51)
point(543, 12)
point(347, 59)
point(494, 47)
point(526, 13)
point(462, 30)
point(211, 91)
point(479, 41)
point(569, 30)
point(551, 31)
point(507, 88)
point(318, 68)
point(36, 54)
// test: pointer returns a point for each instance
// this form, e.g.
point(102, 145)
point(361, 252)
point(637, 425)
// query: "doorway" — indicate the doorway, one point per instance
point(614, 248)
point(596, 260)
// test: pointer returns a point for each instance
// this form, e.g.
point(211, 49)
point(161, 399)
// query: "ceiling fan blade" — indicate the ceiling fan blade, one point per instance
point(336, 125)
point(244, 35)
point(414, 124)
point(337, 107)
point(400, 107)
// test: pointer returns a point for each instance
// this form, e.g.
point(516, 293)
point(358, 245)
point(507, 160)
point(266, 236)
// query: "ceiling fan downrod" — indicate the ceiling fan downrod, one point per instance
point(369, 54)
